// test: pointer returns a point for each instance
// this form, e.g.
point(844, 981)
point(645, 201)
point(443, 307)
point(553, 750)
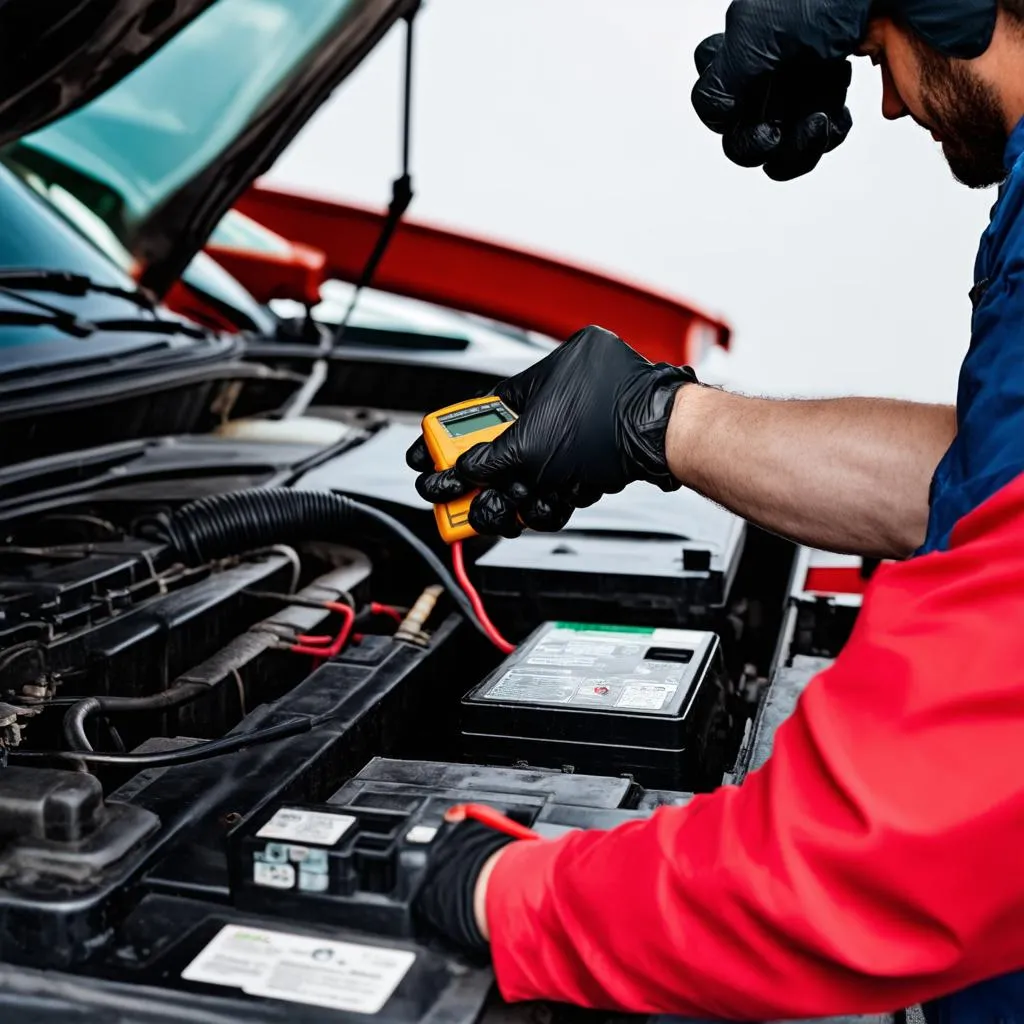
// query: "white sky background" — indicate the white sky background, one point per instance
point(566, 126)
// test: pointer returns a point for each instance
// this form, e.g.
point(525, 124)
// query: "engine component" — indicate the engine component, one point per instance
point(55, 828)
point(255, 712)
point(410, 629)
point(45, 592)
point(245, 520)
point(287, 627)
point(376, 696)
point(116, 618)
point(604, 699)
point(12, 721)
point(357, 861)
point(300, 942)
point(332, 864)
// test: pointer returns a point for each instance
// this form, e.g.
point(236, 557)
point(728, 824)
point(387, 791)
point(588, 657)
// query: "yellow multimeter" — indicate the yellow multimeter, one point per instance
point(448, 433)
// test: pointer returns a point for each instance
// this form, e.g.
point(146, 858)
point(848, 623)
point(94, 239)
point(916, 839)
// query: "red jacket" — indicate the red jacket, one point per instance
point(875, 861)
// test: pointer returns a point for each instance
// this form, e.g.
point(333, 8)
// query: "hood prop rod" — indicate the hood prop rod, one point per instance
point(401, 189)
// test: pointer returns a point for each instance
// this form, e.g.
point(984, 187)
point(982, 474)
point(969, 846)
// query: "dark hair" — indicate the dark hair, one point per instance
point(1014, 8)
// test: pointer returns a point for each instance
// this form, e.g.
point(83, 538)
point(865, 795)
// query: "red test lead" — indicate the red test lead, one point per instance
point(459, 566)
point(490, 817)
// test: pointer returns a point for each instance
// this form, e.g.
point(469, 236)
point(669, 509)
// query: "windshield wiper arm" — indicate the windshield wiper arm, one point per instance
point(156, 326)
point(66, 322)
point(71, 324)
point(64, 282)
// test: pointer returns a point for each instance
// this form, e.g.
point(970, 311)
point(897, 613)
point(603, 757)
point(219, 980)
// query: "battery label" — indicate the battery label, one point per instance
point(572, 661)
point(315, 972)
point(318, 827)
point(535, 689)
point(644, 697)
point(646, 671)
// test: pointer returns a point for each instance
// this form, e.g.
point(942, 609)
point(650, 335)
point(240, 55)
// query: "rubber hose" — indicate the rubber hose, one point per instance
point(78, 714)
point(187, 755)
point(229, 524)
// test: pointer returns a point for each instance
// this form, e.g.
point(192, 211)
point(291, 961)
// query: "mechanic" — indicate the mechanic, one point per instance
point(874, 861)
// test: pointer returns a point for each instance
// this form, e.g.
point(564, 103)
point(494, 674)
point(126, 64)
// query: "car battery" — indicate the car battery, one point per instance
point(353, 866)
point(647, 702)
point(357, 861)
point(311, 921)
point(631, 564)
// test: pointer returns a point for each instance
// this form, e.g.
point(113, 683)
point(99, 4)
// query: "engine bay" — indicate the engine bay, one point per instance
point(243, 683)
point(234, 709)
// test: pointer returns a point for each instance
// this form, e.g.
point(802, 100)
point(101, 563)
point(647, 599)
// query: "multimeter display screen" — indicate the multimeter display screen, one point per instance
point(471, 424)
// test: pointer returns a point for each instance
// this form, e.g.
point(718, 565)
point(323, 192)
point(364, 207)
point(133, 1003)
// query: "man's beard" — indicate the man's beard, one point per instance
point(966, 112)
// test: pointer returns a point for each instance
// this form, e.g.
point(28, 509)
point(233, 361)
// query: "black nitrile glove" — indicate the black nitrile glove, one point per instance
point(592, 419)
point(774, 83)
point(444, 904)
point(791, 120)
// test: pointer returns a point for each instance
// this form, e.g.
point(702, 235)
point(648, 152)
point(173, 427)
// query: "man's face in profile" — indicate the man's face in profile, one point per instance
point(947, 96)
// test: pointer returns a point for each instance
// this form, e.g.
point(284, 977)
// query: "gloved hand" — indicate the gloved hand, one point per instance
point(774, 84)
point(592, 419)
point(444, 904)
point(785, 123)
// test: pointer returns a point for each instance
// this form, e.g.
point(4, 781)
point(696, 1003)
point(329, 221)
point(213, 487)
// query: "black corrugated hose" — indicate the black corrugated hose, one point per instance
point(230, 524)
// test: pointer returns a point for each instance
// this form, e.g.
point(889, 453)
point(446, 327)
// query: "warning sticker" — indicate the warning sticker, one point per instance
point(523, 686)
point(297, 969)
point(297, 825)
point(597, 691)
point(589, 645)
point(644, 697)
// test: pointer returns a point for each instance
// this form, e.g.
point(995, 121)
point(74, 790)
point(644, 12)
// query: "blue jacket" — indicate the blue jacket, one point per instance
point(986, 455)
point(988, 451)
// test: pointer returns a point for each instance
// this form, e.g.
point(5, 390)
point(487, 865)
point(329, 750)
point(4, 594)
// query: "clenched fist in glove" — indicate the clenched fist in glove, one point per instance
point(774, 83)
point(592, 419)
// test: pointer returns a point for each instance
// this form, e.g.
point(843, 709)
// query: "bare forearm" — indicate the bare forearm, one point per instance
point(849, 474)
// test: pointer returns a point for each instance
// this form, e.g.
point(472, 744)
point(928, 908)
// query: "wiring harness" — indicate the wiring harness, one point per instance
point(224, 525)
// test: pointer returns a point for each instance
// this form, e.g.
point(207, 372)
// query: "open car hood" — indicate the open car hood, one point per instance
point(164, 153)
point(56, 55)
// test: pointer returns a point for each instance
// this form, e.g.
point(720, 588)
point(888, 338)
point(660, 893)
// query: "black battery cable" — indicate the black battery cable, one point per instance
point(188, 755)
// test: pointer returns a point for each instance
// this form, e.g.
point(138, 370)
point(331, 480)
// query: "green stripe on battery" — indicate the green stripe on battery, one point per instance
point(586, 627)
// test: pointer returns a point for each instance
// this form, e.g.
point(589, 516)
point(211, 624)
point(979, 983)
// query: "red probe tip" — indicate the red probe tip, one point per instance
point(490, 817)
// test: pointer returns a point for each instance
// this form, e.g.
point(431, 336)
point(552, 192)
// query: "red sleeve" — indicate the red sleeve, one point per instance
point(874, 862)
